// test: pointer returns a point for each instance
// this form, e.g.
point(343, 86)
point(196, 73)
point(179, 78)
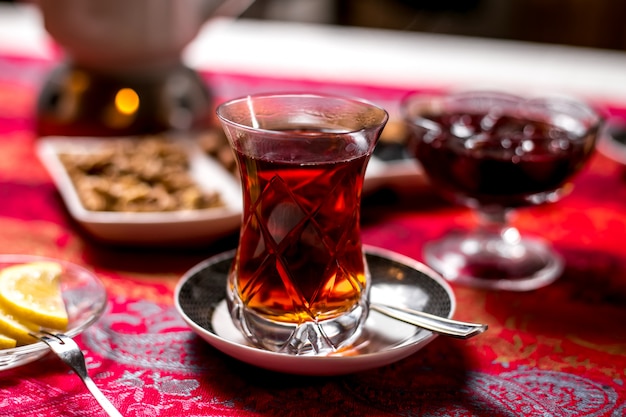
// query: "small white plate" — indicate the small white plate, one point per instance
point(155, 228)
point(396, 280)
point(612, 141)
point(85, 300)
point(402, 172)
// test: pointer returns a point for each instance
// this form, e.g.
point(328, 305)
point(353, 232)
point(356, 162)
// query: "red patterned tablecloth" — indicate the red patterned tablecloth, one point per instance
point(557, 351)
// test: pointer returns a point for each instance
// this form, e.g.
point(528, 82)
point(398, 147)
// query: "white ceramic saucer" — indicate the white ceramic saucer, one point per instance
point(396, 280)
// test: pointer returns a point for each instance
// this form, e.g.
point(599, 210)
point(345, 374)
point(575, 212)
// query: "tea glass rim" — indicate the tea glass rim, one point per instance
point(382, 120)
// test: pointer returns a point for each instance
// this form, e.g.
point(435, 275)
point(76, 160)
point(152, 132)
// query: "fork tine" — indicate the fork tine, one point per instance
point(69, 352)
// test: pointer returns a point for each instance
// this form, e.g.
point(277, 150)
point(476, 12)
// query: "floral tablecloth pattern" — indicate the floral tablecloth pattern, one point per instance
point(557, 351)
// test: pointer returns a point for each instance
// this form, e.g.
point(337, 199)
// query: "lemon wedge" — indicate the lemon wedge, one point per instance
point(16, 330)
point(31, 293)
point(7, 342)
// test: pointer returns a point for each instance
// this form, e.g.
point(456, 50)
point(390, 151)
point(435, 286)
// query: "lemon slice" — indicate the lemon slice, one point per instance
point(18, 331)
point(31, 293)
point(7, 342)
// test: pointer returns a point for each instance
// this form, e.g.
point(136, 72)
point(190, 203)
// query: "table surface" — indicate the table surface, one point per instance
point(557, 351)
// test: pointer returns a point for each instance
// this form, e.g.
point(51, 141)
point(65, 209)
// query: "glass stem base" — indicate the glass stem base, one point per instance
point(494, 257)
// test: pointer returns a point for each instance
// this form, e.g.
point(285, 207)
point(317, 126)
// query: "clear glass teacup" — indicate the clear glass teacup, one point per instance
point(299, 282)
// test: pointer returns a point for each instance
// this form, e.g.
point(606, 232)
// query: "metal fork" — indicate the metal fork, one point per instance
point(69, 352)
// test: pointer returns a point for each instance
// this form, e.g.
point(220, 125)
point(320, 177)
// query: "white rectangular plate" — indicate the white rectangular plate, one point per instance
point(149, 228)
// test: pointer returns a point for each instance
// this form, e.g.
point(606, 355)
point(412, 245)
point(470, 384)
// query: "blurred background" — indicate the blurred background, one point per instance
point(587, 23)
point(141, 42)
point(596, 24)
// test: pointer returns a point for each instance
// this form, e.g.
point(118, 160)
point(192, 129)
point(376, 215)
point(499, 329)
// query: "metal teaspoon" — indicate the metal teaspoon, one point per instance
point(437, 324)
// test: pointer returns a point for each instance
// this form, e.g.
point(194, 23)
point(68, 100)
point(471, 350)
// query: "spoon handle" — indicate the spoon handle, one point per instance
point(437, 324)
